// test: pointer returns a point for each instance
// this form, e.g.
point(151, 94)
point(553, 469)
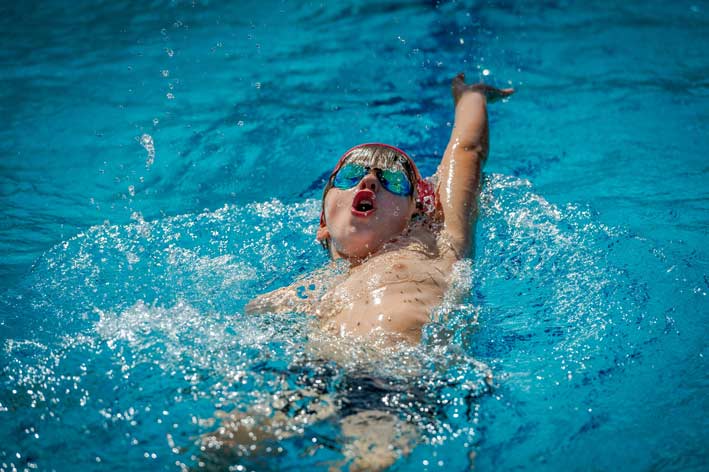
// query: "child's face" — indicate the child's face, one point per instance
point(362, 218)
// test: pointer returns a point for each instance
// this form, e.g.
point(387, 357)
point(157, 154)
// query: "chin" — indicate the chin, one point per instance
point(359, 247)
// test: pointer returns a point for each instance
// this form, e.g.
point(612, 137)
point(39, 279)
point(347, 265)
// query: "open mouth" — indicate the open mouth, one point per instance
point(363, 203)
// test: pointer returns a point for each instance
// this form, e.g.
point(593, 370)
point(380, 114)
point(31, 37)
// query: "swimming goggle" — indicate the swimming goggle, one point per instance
point(395, 181)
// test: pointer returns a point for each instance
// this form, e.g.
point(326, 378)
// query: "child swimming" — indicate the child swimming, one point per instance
point(399, 233)
point(399, 236)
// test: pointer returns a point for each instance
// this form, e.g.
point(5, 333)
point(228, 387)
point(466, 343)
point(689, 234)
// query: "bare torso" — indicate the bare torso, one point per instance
point(392, 293)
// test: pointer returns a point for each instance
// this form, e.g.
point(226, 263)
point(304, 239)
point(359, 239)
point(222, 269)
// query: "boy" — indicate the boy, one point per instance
point(400, 235)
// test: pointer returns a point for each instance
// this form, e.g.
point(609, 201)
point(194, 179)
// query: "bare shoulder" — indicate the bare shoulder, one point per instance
point(282, 300)
point(300, 296)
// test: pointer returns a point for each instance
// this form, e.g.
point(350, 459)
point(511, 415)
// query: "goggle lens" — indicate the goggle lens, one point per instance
point(395, 181)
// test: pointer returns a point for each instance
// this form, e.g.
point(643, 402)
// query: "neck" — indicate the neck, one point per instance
point(353, 261)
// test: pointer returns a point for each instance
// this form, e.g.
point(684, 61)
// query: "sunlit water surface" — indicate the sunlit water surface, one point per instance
point(162, 165)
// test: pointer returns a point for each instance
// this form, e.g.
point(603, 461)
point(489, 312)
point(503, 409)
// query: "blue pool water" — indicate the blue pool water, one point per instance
point(162, 164)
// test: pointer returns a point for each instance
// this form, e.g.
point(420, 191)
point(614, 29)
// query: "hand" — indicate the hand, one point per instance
point(492, 94)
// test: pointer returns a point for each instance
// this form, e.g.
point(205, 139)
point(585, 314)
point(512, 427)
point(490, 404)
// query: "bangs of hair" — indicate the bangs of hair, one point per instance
point(379, 157)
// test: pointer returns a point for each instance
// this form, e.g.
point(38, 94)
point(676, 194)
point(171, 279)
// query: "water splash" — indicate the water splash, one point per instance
point(143, 333)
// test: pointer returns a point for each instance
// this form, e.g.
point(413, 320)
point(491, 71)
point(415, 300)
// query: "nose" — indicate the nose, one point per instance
point(369, 181)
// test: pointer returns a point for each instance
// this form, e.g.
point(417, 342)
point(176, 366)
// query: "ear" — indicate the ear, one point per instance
point(417, 207)
point(322, 233)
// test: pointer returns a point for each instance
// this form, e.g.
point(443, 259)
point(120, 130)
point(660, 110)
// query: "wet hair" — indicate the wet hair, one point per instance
point(374, 156)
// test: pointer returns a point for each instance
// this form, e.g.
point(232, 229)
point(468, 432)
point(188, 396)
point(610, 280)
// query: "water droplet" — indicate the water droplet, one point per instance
point(132, 258)
point(462, 41)
point(147, 142)
point(240, 123)
point(165, 73)
point(170, 96)
point(169, 52)
point(486, 72)
point(131, 190)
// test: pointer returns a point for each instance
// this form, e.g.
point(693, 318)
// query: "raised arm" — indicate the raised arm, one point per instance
point(459, 171)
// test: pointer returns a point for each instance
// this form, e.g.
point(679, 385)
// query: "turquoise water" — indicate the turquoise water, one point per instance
point(162, 163)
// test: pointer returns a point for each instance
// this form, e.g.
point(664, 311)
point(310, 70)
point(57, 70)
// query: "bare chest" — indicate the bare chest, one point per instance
point(394, 293)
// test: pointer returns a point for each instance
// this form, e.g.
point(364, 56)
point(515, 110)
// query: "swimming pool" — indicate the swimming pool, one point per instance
point(163, 163)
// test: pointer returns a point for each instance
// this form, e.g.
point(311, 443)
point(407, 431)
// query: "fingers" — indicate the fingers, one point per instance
point(459, 87)
point(495, 94)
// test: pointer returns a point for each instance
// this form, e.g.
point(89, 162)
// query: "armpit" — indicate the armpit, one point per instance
point(448, 246)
